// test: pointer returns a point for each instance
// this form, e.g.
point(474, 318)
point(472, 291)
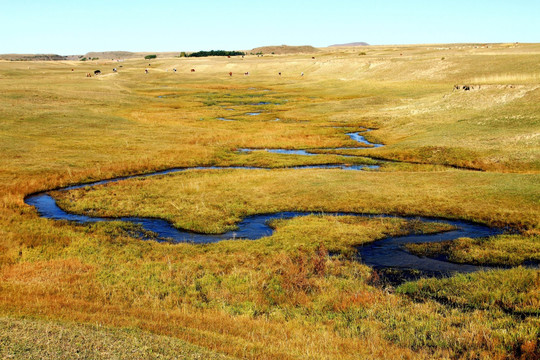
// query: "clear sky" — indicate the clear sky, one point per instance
point(76, 27)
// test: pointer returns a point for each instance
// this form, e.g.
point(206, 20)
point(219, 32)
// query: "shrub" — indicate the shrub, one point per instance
point(148, 57)
point(216, 53)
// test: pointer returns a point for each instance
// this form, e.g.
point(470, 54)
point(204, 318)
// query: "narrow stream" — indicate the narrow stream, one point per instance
point(388, 253)
point(354, 136)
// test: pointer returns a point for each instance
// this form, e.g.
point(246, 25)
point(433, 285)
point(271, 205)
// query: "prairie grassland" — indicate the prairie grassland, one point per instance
point(282, 296)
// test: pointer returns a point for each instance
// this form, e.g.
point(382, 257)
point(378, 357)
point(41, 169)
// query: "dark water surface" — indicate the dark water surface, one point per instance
point(354, 136)
point(388, 253)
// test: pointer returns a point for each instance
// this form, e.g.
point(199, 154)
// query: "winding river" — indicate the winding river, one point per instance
point(388, 253)
point(312, 152)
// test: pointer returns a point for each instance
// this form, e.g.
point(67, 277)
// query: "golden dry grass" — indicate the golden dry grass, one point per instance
point(267, 299)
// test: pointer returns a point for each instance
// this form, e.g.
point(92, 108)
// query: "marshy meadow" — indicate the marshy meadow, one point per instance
point(310, 163)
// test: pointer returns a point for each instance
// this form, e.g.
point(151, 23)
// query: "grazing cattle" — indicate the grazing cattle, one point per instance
point(466, 87)
point(72, 69)
point(114, 70)
point(279, 73)
point(97, 72)
point(246, 73)
point(88, 75)
point(174, 69)
point(313, 57)
point(192, 70)
point(230, 74)
point(302, 74)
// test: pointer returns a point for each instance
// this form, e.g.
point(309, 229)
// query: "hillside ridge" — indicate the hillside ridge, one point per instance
point(360, 43)
point(284, 49)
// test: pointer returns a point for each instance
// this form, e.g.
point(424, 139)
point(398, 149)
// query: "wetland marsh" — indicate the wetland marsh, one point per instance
point(301, 289)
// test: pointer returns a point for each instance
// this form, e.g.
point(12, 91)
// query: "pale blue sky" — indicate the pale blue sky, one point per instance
point(76, 27)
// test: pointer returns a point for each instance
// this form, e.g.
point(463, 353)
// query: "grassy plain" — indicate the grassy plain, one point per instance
point(281, 296)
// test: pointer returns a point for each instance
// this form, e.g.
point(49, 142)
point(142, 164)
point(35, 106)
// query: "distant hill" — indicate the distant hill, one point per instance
point(32, 57)
point(351, 44)
point(120, 55)
point(110, 55)
point(115, 55)
point(284, 49)
point(102, 55)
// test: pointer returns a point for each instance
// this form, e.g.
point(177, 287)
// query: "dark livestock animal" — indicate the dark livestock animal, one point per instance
point(97, 72)
point(192, 70)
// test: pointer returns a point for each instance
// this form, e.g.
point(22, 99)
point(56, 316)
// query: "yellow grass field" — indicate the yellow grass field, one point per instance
point(301, 293)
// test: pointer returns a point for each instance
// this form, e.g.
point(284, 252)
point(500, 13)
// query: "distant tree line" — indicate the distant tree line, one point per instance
point(214, 53)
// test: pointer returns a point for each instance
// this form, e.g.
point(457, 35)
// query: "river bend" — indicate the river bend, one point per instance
point(382, 254)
